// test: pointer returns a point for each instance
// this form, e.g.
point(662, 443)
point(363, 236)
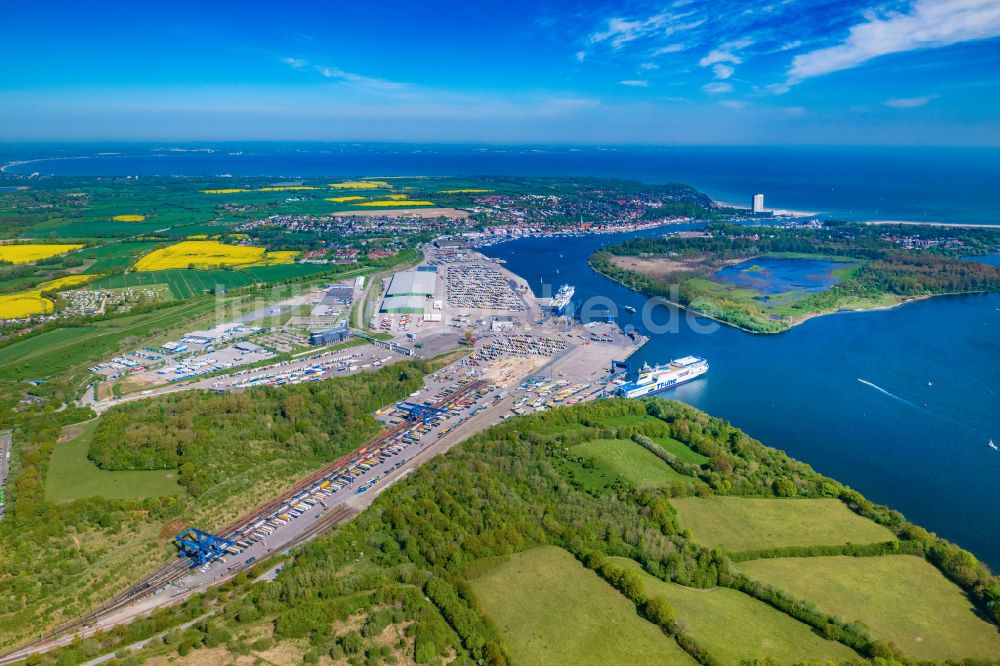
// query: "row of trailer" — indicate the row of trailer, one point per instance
point(344, 477)
point(315, 371)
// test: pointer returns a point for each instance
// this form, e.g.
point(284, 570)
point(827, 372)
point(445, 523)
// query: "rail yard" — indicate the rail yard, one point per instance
point(520, 359)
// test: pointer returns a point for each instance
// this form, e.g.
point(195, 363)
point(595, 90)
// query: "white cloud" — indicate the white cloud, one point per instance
point(789, 46)
point(369, 82)
point(722, 71)
point(622, 31)
point(635, 83)
point(649, 65)
point(927, 24)
point(725, 53)
point(908, 102)
point(717, 87)
point(364, 81)
point(733, 104)
point(581, 55)
point(669, 48)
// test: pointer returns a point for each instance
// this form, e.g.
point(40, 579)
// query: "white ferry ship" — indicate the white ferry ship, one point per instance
point(663, 377)
point(560, 301)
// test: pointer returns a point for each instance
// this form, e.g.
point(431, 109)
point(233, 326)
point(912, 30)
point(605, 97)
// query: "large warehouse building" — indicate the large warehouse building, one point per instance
point(409, 291)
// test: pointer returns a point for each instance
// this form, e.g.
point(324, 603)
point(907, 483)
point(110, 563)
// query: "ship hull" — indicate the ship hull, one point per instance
point(673, 380)
point(660, 388)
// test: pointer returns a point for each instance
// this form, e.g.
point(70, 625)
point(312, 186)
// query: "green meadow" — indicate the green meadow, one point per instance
point(623, 458)
point(748, 523)
point(72, 475)
point(735, 628)
point(551, 611)
point(902, 598)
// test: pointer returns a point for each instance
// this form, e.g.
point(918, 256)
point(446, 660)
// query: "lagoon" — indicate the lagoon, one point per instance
point(779, 275)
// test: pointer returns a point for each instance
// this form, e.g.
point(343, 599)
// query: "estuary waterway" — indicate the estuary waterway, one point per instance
point(899, 403)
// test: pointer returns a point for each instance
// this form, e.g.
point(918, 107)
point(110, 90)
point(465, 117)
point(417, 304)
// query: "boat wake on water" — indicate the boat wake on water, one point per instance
point(888, 393)
point(926, 409)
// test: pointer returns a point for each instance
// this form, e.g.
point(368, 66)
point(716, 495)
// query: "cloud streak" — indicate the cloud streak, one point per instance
point(908, 102)
point(927, 24)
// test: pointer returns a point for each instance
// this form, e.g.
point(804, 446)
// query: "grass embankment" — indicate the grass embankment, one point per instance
point(747, 523)
point(735, 628)
point(551, 610)
point(72, 475)
point(901, 598)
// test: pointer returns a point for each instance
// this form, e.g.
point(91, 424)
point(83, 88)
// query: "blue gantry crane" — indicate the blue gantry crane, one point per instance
point(201, 547)
point(422, 412)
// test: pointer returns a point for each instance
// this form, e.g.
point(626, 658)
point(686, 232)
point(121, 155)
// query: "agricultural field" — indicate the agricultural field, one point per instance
point(24, 304)
point(901, 598)
point(210, 254)
point(735, 628)
point(185, 283)
point(747, 523)
point(623, 458)
point(26, 253)
point(552, 610)
point(390, 203)
point(361, 185)
point(63, 349)
point(32, 302)
point(72, 475)
point(115, 257)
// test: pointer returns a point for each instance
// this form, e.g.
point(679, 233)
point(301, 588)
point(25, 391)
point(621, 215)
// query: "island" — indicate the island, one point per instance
point(767, 279)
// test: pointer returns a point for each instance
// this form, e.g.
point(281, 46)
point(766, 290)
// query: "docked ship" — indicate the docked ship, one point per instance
point(559, 302)
point(663, 377)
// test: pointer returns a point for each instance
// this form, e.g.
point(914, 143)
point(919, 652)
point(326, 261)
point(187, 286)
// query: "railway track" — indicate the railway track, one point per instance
point(177, 569)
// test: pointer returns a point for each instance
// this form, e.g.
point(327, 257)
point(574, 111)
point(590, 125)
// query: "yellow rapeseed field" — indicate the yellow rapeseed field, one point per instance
point(25, 254)
point(343, 199)
point(30, 303)
point(396, 197)
point(210, 254)
point(288, 188)
point(24, 304)
point(129, 218)
point(464, 191)
point(362, 185)
point(233, 190)
point(68, 281)
point(395, 202)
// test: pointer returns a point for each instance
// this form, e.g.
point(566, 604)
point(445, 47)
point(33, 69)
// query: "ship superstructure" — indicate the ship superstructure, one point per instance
point(662, 377)
point(560, 302)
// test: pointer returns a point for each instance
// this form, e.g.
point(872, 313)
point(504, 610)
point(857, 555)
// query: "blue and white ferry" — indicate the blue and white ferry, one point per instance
point(662, 377)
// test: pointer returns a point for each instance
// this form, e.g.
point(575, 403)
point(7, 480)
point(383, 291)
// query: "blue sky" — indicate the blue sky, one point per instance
point(923, 72)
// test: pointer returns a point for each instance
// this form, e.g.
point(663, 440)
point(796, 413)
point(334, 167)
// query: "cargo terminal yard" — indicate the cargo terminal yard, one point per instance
point(521, 359)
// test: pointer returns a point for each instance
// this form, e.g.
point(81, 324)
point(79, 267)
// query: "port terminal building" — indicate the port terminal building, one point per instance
point(409, 291)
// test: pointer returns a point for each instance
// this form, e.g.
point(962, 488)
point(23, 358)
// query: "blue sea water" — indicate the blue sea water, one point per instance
point(776, 275)
point(899, 404)
point(921, 184)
